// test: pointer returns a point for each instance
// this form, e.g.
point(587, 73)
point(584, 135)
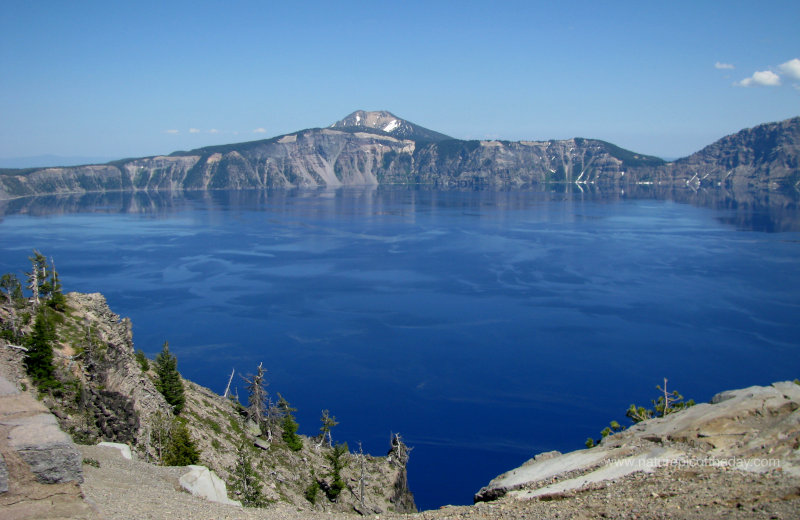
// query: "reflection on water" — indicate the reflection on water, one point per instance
point(755, 210)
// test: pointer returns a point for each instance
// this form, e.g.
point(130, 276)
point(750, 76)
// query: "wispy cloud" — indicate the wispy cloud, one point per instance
point(172, 131)
point(720, 65)
point(213, 131)
point(194, 130)
point(762, 78)
point(791, 68)
point(260, 131)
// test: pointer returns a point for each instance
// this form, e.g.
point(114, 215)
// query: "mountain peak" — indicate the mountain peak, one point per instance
point(386, 122)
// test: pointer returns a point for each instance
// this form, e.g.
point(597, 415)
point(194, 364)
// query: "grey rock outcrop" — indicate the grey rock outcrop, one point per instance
point(753, 429)
point(40, 467)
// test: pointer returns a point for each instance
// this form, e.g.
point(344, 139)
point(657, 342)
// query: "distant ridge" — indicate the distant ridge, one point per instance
point(371, 148)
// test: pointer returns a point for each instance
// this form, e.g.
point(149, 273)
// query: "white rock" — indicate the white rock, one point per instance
point(204, 483)
point(124, 449)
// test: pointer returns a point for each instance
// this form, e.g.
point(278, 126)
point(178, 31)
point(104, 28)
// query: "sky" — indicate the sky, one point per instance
point(129, 79)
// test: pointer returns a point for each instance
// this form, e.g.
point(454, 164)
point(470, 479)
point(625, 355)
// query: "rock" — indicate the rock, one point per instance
point(7, 387)
point(262, 443)
point(204, 483)
point(124, 449)
point(3, 475)
point(742, 428)
point(49, 452)
point(252, 428)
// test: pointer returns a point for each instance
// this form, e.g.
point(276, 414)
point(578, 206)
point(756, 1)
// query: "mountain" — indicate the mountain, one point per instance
point(388, 123)
point(371, 148)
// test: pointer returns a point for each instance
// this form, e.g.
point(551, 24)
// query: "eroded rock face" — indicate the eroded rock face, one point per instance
point(752, 429)
point(369, 148)
point(121, 399)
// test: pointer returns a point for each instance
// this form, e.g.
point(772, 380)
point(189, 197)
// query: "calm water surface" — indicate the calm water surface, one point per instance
point(483, 326)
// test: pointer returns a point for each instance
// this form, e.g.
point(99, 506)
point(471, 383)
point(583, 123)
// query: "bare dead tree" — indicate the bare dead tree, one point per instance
point(228, 388)
point(363, 476)
point(399, 452)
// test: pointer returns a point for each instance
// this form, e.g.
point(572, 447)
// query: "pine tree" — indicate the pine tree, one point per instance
point(180, 449)
point(244, 479)
point(11, 286)
point(328, 422)
point(39, 359)
point(337, 461)
point(289, 425)
point(57, 300)
point(168, 379)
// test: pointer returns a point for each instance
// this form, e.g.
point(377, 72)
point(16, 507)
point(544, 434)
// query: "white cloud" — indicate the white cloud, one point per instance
point(171, 131)
point(213, 131)
point(194, 130)
point(791, 68)
point(720, 65)
point(260, 131)
point(764, 78)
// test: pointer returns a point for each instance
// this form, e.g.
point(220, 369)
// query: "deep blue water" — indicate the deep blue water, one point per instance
point(483, 326)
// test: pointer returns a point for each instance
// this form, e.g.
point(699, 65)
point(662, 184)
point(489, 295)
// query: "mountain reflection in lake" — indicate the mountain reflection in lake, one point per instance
point(484, 326)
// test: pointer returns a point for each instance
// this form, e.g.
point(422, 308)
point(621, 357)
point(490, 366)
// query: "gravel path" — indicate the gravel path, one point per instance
point(122, 489)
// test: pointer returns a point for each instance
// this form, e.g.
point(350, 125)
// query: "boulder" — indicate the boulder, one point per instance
point(204, 483)
point(124, 449)
point(48, 451)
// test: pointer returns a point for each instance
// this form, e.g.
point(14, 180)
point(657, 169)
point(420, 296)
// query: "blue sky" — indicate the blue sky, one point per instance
point(125, 79)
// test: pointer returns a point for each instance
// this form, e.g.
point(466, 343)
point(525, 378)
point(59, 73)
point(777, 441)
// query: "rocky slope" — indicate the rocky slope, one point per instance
point(368, 148)
point(106, 395)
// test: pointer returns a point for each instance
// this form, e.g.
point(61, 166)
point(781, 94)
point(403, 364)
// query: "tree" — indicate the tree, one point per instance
point(39, 359)
point(57, 300)
point(328, 423)
point(180, 449)
point(666, 404)
point(288, 425)
point(11, 286)
point(244, 479)
point(337, 461)
point(168, 379)
point(258, 401)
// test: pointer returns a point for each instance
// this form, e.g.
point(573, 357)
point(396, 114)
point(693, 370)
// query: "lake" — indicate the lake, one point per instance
point(483, 326)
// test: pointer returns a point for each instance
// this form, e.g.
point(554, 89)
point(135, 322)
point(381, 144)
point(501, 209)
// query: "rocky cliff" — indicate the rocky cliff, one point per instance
point(368, 148)
point(105, 394)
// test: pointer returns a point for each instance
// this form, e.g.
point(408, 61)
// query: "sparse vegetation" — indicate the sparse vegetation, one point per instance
point(245, 482)
point(666, 404)
point(141, 358)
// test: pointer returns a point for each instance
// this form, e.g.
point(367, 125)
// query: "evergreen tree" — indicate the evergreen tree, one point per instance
point(328, 422)
point(57, 300)
point(180, 449)
point(289, 425)
point(336, 459)
point(245, 482)
point(39, 359)
point(168, 379)
point(12, 287)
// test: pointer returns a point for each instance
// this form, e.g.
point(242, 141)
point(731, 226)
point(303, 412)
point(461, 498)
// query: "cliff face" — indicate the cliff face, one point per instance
point(106, 395)
point(368, 148)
